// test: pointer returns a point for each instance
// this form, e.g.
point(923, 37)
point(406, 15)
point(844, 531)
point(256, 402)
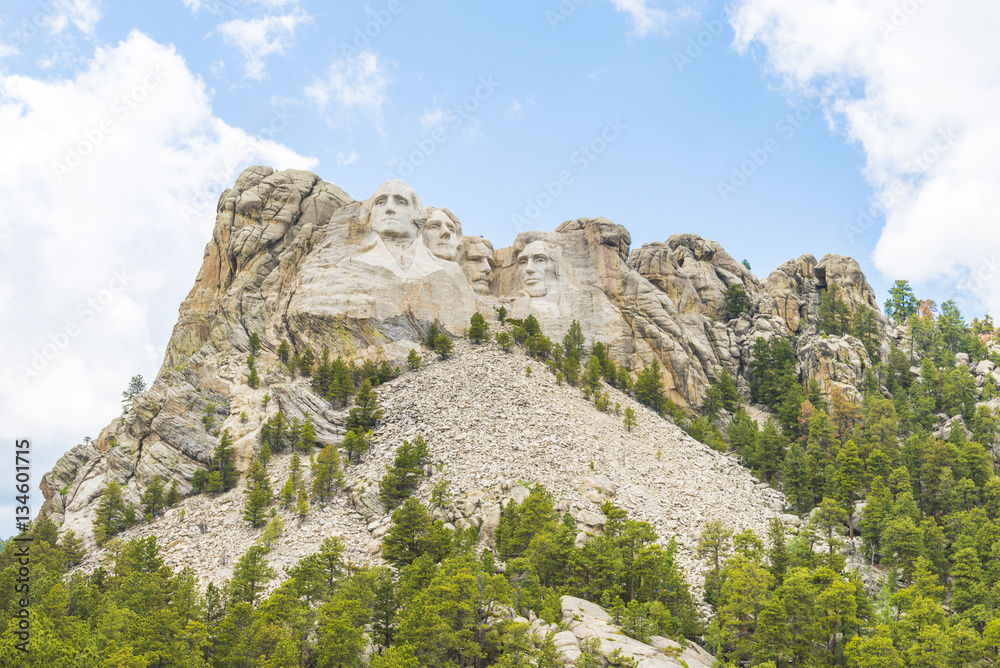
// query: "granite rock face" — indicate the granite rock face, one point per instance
point(295, 258)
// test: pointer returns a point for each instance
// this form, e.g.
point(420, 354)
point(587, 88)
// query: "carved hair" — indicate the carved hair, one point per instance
point(419, 219)
point(526, 238)
point(475, 241)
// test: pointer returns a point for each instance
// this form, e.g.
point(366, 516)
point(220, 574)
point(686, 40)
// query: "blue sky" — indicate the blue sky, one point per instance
point(766, 125)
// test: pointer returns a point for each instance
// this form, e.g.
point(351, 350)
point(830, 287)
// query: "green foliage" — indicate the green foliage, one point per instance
point(901, 303)
point(402, 478)
point(224, 464)
point(254, 343)
point(413, 360)
point(737, 301)
point(649, 387)
point(440, 496)
point(284, 350)
point(834, 315)
point(258, 493)
point(630, 420)
point(366, 412)
point(721, 395)
point(356, 444)
point(327, 474)
point(136, 386)
point(478, 330)
point(113, 513)
point(503, 340)
point(153, 499)
point(413, 534)
point(574, 342)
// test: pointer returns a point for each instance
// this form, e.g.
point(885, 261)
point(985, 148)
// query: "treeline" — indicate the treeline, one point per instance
point(443, 603)
point(929, 526)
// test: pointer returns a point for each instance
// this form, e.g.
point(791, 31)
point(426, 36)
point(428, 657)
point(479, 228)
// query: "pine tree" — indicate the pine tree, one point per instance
point(254, 343)
point(629, 420)
point(401, 479)
point(253, 380)
point(649, 387)
point(72, 548)
point(443, 346)
point(307, 362)
point(574, 342)
point(259, 494)
point(412, 534)
point(478, 330)
point(224, 463)
point(413, 360)
point(136, 386)
point(152, 499)
point(251, 575)
point(327, 475)
point(355, 445)
point(283, 351)
point(366, 412)
point(174, 495)
point(503, 340)
point(111, 513)
point(302, 505)
point(850, 471)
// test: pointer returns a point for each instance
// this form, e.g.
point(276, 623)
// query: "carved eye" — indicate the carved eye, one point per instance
point(401, 200)
point(380, 200)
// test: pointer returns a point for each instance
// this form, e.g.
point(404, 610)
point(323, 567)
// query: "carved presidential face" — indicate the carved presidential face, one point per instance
point(477, 263)
point(441, 235)
point(536, 269)
point(395, 208)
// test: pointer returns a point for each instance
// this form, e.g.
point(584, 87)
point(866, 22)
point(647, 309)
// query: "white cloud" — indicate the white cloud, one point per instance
point(83, 14)
point(109, 184)
point(432, 118)
point(514, 111)
point(193, 5)
point(899, 77)
point(357, 82)
point(649, 20)
point(261, 37)
point(345, 160)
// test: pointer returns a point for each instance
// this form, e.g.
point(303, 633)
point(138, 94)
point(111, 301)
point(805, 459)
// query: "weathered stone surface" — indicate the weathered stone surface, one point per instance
point(295, 258)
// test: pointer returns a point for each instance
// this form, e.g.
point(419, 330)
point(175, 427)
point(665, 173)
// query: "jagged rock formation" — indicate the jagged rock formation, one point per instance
point(295, 258)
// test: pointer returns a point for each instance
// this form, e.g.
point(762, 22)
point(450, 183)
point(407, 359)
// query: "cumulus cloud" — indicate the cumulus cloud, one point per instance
point(261, 37)
point(109, 184)
point(648, 19)
point(356, 83)
point(914, 83)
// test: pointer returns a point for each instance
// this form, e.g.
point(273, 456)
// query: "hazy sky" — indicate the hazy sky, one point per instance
point(866, 128)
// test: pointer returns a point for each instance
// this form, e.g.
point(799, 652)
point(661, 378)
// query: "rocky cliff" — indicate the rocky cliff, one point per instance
point(297, 259)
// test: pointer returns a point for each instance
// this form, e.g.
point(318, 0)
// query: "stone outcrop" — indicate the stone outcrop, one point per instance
point(297, 259)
